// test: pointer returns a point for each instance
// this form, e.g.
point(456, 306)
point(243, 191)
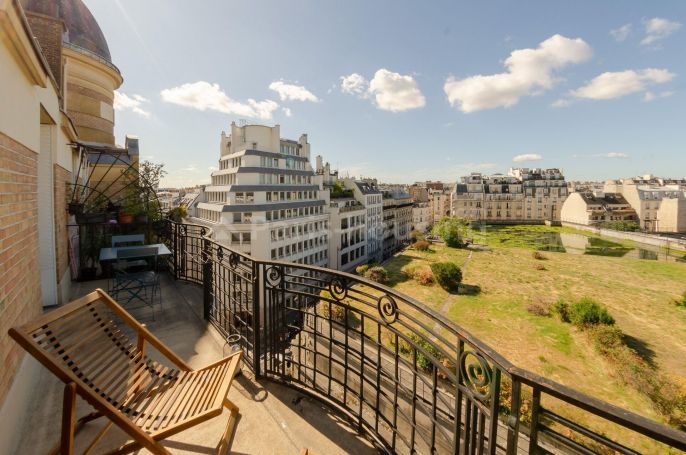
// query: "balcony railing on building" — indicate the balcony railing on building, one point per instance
point(409, 378)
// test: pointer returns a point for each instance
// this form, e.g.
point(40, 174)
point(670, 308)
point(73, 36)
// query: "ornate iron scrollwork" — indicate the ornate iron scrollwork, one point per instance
point(220, 254)
point(234, 259)
point(182, 228)
point(274, 275)
point(338, 288)
point(203, 231)
point(388, 309)
point(476, 374)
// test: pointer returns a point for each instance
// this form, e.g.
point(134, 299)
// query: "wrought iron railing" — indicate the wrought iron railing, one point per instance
point(413, 380)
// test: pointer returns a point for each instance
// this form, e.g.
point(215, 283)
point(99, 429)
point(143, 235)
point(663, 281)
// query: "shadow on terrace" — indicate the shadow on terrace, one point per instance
point(273, 418)
point(329, 356)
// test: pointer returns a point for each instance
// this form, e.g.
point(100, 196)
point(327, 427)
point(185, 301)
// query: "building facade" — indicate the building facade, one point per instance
point(660, 203)
point(524, 195)
point(397, 221)
point(595, 208)
point(263, 199)
point(422, 218)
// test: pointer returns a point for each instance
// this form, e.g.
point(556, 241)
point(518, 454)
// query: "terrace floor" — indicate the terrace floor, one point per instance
point(273, 418)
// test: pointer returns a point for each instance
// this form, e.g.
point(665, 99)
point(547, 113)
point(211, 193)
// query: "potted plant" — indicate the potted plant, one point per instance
point(178, 213)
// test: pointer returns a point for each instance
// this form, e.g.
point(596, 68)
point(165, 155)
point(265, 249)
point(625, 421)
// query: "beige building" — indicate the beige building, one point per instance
point(660, 203)
point(524, 195)
point(264, 200)
point(595, 208)
point(422, 218)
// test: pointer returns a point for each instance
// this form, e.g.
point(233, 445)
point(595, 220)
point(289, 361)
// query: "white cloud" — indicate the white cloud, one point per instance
point(617, 84)
point(658, 29)
point(562, 102)
point(202, 95)
point(529, 71)
point(395, 92)
point(617, 155)
point(212, 168)
point(527, 157)
point(287, 112)
point(621, 33)
point(390, 91)
point(291, 92)
point(355, 84)
point(124, 102)
point(650, 96)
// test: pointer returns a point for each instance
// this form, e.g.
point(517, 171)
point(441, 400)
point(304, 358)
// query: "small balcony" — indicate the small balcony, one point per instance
point(339, 364)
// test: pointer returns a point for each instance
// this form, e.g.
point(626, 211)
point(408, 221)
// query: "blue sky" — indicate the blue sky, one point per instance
point(407, 91)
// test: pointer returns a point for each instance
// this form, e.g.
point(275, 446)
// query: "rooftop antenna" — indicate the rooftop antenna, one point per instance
point(242, 122)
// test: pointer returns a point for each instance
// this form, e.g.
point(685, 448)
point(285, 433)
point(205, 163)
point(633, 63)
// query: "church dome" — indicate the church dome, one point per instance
point(82, 28)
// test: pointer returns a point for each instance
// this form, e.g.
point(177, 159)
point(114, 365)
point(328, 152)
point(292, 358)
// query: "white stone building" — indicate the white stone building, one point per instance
point(263, 200)
point(660, 203)
point(595, 208)
point(525, 195)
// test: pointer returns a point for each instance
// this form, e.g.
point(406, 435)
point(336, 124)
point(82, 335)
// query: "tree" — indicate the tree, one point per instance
point(450, 230)
point(448, 275)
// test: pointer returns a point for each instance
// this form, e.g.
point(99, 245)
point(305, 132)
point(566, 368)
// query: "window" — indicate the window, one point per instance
point(249, 197)
point(247, 217)
point(235, 238)
point(246, 237)
point(237, 217)
point(240, 199)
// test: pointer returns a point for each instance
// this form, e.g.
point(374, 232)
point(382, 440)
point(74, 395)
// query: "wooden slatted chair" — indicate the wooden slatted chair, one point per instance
point(149, 400)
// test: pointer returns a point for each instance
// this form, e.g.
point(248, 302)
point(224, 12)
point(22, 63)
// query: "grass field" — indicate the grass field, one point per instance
point(503, 282)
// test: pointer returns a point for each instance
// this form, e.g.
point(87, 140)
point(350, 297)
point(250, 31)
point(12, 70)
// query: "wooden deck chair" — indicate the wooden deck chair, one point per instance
point(84, 347)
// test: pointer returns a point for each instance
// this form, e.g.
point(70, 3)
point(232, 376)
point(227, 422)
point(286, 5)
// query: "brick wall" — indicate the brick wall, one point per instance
point(20, 298)
point(61, 178)
point(48, 32)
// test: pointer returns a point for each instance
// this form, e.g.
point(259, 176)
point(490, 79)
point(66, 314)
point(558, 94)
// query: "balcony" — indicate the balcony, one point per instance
point(340, 364)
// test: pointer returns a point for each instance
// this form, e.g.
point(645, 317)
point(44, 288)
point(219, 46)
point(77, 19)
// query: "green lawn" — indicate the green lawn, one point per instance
point(640, 294)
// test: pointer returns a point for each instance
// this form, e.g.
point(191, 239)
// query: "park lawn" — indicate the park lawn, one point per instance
point(640, 295)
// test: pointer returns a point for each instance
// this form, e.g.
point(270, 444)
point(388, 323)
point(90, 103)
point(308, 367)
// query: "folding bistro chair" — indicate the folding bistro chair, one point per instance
point(143, 285)
point(83, 346)
point(130, 240)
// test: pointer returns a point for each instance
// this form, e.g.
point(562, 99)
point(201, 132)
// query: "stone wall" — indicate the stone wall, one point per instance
point(20, 295)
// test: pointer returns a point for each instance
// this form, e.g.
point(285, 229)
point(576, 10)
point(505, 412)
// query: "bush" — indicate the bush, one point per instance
point(424, 277)
point(449, 229)
point(561, 308)
point(630, 226)
point(378, 274)
point(421, 245)
point(424, 362)
point(448, 275)
point(416, 236)
point(538, 309)
point(330, 310)
point(538, 256)
point(539, 267)
point(682, 301)
point(588, 312)
point(362, 269)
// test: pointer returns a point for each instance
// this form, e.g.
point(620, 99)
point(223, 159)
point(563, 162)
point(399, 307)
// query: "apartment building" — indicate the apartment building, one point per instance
point(397, 221)
point(422, 218)
point(439, 203)
point(659, 202)
point(593, 208)
point(368, 194)
point(263, 199)
point(348, 237)
point(524, 195)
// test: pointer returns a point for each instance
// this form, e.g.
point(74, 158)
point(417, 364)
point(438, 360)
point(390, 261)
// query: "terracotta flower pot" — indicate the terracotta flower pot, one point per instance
point(125, 218)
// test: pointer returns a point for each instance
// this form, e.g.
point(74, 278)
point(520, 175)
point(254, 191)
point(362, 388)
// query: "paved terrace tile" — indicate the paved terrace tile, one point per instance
point(273, 419)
